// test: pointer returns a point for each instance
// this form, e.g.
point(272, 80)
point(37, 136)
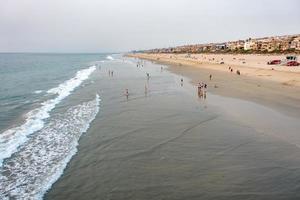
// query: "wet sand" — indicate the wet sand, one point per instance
point(266, 90)
point(272, 94)
point(169, 144)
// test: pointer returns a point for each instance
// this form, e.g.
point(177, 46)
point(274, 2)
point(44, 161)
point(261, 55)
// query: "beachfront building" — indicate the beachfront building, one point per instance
point(251, 44)
point(264, 46)
point(267, 45)
point(221, 46)
point(285, 43)
point(235, 45)
point(295, 43)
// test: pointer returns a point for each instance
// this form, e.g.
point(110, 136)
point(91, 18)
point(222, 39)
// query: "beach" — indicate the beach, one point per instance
point(278, 89)
point(169, 144)
point(252, 65)
point(150, 100)
point(158, 141)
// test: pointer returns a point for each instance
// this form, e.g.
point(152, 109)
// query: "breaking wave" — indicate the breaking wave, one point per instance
point(109, 58)
point(30, 172)
point(12, 139)
point(38, 91)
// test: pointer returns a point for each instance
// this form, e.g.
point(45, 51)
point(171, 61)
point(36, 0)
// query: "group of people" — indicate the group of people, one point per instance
point(110, 73)
point(146, 87)
point(140, 64)
point(202, 87)
point(237, 71)
point(202, 90)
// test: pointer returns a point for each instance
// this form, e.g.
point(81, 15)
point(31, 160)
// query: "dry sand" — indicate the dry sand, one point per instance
point(249, 65)
point(277, 89)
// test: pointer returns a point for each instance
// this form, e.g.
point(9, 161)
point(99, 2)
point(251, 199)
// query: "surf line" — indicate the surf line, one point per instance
point(12, 139)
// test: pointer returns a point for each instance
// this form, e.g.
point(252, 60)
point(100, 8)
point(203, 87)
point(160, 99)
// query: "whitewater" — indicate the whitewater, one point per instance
point(12, 139)
point(43, 158)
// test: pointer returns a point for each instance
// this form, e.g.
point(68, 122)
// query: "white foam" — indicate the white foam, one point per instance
point(12, 139)
point(109, 58)
point(38, 91)
point(42, 160)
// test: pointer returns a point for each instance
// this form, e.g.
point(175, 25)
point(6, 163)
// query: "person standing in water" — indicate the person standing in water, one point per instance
point(146, 90)
point(181, 82)
point(199, 90)
point(126, 93)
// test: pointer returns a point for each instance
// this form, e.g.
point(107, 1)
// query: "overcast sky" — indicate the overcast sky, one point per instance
point(122, 25)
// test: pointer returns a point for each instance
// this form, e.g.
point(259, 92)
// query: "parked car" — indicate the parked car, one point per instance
point(292, 63)
point(274, 62)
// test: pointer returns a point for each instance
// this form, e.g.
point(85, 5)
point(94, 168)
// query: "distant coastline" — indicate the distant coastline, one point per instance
point(286, 44)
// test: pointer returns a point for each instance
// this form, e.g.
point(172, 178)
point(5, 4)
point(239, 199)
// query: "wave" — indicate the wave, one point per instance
point(42, 160)
point(12, 139)
point(109, 58)
point(38, 91)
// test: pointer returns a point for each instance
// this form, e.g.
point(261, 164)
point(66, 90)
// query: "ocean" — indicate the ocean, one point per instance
point(95, 126)
point(36, 138)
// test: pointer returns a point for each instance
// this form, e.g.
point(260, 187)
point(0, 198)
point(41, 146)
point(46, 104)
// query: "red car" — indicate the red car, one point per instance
point(274, 62)
point(293, 63)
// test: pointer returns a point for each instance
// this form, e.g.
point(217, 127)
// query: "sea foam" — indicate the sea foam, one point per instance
point(38, 91)
point(109, 58)
point(12, 139)
point(42, 160)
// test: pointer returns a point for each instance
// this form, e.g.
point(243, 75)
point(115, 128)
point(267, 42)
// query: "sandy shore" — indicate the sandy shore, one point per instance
point(249, 65)
point(168, 144)
point(277, 89)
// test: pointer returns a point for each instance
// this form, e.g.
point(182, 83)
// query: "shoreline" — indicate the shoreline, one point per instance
point(275, 91)
point(169, 143)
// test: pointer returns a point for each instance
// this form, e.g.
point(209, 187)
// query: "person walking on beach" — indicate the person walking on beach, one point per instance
point(181, 82)
point(210, 77)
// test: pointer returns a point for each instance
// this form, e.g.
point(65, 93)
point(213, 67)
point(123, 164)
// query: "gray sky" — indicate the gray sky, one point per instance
point(122, 25)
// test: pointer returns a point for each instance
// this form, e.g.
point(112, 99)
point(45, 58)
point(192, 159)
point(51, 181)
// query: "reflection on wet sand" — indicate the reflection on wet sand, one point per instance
point(169, 146)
